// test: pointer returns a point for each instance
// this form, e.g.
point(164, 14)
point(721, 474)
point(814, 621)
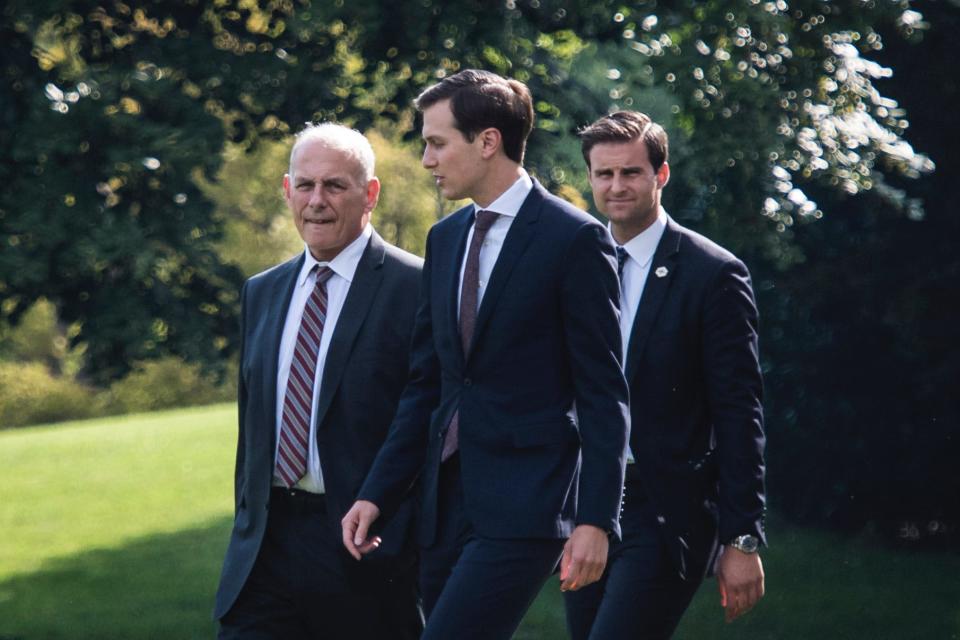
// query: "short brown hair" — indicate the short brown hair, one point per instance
point(626, 126)
point(481, 100)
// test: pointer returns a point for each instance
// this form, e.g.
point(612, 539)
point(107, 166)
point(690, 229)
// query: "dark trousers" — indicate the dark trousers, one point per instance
point(475, 587)
point(641, 595)
point(305, 585)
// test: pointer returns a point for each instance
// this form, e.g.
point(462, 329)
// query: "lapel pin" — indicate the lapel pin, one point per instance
point(661, 272)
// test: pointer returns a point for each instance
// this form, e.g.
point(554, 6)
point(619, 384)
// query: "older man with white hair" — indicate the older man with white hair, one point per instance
point(323, 360)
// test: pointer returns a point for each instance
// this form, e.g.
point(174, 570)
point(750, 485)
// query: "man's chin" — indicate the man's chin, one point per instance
point(622, 215)
point(450, 192)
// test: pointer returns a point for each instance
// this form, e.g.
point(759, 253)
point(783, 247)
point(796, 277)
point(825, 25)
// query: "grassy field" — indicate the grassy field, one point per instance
point(116, 529)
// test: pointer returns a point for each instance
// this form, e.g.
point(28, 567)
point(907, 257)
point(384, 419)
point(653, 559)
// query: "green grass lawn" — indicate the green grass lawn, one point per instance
point(115, 528)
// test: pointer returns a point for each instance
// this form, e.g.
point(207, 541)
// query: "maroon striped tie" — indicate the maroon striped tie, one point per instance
point(468, 313)
point(298, 401)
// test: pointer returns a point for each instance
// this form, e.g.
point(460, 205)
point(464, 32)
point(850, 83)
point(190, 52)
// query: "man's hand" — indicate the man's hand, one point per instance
point(740, 578)
point(356, 525)
point(584, 557)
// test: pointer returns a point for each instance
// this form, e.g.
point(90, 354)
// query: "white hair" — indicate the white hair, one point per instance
point(340, 138)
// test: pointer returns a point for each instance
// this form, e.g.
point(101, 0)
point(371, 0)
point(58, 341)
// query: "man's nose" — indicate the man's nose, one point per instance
point(316, 197)
point(427, 161)
point(617, 184)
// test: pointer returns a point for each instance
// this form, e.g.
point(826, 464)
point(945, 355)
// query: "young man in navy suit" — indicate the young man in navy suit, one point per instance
point(515, 415)
point(695, 472)
point(323, 360)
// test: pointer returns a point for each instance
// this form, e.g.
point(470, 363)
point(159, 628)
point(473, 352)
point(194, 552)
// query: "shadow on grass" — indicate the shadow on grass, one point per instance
point(160, 586)
point(818, 586)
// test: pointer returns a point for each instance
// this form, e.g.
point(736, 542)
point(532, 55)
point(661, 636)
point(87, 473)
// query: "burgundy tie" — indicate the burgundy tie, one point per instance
point(468, 311)
point(298, 401)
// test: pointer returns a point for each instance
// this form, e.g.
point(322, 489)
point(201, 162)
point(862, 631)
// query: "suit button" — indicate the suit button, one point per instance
point(661, 519)
point(467, 382)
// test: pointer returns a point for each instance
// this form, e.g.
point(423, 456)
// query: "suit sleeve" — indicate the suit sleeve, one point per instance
point(241, 405)
point(403, 453)
point(591, 311)
point(734, 393)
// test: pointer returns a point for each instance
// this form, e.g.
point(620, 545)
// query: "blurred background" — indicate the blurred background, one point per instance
point(142, 148)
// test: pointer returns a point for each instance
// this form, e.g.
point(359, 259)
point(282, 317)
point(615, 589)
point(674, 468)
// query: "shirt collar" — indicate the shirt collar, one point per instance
point(510, 201)
point(643, 245)
point(344, 264)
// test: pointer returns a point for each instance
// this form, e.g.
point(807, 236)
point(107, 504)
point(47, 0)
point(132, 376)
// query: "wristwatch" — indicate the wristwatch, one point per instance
point(745, 543)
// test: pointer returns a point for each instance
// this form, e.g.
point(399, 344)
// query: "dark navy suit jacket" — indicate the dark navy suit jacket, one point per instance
point(363, 376)
point(695, 392)
point(541, 393)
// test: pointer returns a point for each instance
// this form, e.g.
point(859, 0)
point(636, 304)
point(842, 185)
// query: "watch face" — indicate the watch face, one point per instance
point(747, 544)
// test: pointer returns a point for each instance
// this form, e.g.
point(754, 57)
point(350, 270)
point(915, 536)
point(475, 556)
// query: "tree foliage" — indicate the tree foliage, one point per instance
point(113, 111)
point(120, 210)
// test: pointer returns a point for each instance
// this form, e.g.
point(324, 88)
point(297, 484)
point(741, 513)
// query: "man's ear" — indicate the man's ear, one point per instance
point(490, 142)
point(286, 187)
point(663, 175)
point(373, 193)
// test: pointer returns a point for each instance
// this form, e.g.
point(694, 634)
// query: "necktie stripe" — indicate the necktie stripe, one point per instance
point(284, 464)
point(299, 381)
point(297, 401)
point(301, 355)
point(297, 416)
point(301, 375)
point(316, 312)
point(319, 306)
point(294, 439)
point(299, 390)
point(310, 331)
point(293, 415)
point(285, 458)
point(298, 442)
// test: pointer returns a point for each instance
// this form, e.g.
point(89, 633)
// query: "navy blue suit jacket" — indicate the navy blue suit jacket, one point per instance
point(363, 376)
point(695, 392)
point(541, 393)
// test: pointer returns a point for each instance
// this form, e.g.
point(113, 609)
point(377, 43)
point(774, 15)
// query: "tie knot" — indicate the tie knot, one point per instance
point(485, 220)
point(323, 274)
point(621, 259)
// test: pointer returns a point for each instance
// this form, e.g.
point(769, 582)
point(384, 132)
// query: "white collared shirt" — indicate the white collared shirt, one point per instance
point(344, 266)
point(507, 205)
point(640, 250)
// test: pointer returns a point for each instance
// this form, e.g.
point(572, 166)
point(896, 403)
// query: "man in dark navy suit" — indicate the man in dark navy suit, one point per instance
point(515, 415)
point(695, 477)
point(325, 348)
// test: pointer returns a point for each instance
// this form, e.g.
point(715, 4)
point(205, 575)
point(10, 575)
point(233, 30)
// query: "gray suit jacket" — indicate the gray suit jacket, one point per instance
point(364, 374)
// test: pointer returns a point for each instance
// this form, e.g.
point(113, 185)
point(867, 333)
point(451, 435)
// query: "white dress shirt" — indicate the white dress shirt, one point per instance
point(636, 268)
point(507, 205)
point(344, 266)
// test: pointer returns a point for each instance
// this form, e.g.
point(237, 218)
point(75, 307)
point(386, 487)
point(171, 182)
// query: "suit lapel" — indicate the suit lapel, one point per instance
point(286, 280)
point(654, 293)
point(363, 289)
point(521, 233)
